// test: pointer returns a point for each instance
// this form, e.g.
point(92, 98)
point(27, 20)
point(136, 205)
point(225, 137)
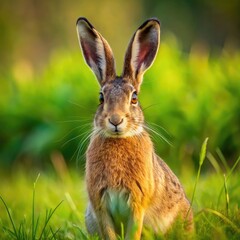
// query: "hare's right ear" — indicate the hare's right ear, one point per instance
point(141, 51)
point(96, 51)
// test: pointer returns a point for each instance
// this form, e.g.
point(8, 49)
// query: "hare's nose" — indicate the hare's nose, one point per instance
point(115, 119)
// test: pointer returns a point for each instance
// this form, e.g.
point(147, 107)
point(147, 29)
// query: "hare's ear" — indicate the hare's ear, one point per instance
point(96, 51)
point(141, 51)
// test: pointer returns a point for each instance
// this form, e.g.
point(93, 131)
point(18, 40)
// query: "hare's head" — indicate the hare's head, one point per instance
point(119, 113)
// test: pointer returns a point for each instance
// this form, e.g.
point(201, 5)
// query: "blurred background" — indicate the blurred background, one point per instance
point(48, 95)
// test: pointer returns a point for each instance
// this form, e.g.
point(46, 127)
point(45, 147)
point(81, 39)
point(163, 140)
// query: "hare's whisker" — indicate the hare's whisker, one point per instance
point(80, 106)
point(152, 105)
point(70, 140)
point(72, 130)
point(159, 134)
point(80, 147)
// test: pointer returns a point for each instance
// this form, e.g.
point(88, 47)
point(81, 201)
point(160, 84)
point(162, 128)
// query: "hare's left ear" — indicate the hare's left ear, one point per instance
point(96, 51)
point(141, 51)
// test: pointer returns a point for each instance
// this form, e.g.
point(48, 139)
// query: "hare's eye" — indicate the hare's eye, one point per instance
point(101, 98)
point(134, 99)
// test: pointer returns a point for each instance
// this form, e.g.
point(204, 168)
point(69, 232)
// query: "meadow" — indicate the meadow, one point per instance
point(52, 205)
point(46, 119)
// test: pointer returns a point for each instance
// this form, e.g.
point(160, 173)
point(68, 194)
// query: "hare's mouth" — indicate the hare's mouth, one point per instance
point(123, 133)
point(117, 132)
point(121, 130)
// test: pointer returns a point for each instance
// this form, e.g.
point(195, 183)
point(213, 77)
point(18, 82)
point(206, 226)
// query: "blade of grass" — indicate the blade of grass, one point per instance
point(214, 163)
point(228, 176)
point(223, 217)
point(34, 228)
point(122, 231)
point(82, 234)
point(10, 217)
point(201, 160)
point(72, 205)
point(48, 216)
point(226, 195)
point(54, 233)
point(11, 233)
point(223, 160)
point(22, 233)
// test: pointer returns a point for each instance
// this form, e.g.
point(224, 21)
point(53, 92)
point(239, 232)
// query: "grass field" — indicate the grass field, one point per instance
point(50, 205)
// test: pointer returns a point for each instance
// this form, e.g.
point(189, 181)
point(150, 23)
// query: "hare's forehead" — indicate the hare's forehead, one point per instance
point(118, 88)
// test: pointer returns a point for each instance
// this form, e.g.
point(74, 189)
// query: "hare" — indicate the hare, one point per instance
point(128, 184)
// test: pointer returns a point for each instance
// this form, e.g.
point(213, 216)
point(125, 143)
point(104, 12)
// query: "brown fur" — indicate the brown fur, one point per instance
point(122, 170)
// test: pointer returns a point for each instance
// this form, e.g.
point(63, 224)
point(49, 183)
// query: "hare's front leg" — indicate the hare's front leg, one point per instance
point(107, 230)
point(135, 224)
point(91, 221)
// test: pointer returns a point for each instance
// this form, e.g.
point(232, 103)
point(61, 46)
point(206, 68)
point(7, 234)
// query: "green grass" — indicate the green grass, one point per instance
point(53, 206)
point(23, 232)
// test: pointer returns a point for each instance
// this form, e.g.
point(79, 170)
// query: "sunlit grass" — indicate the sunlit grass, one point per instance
point(30, 209)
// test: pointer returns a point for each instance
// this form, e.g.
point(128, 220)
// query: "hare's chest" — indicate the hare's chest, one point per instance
point(113, 166)
point(114, 174)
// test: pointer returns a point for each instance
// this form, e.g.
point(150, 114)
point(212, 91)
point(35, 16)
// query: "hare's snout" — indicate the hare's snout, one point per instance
point(115, 119)
point(116, 124)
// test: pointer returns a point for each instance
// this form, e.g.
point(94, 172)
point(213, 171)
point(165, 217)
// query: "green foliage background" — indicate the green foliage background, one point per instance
point(191, 96)
point(49, 96)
